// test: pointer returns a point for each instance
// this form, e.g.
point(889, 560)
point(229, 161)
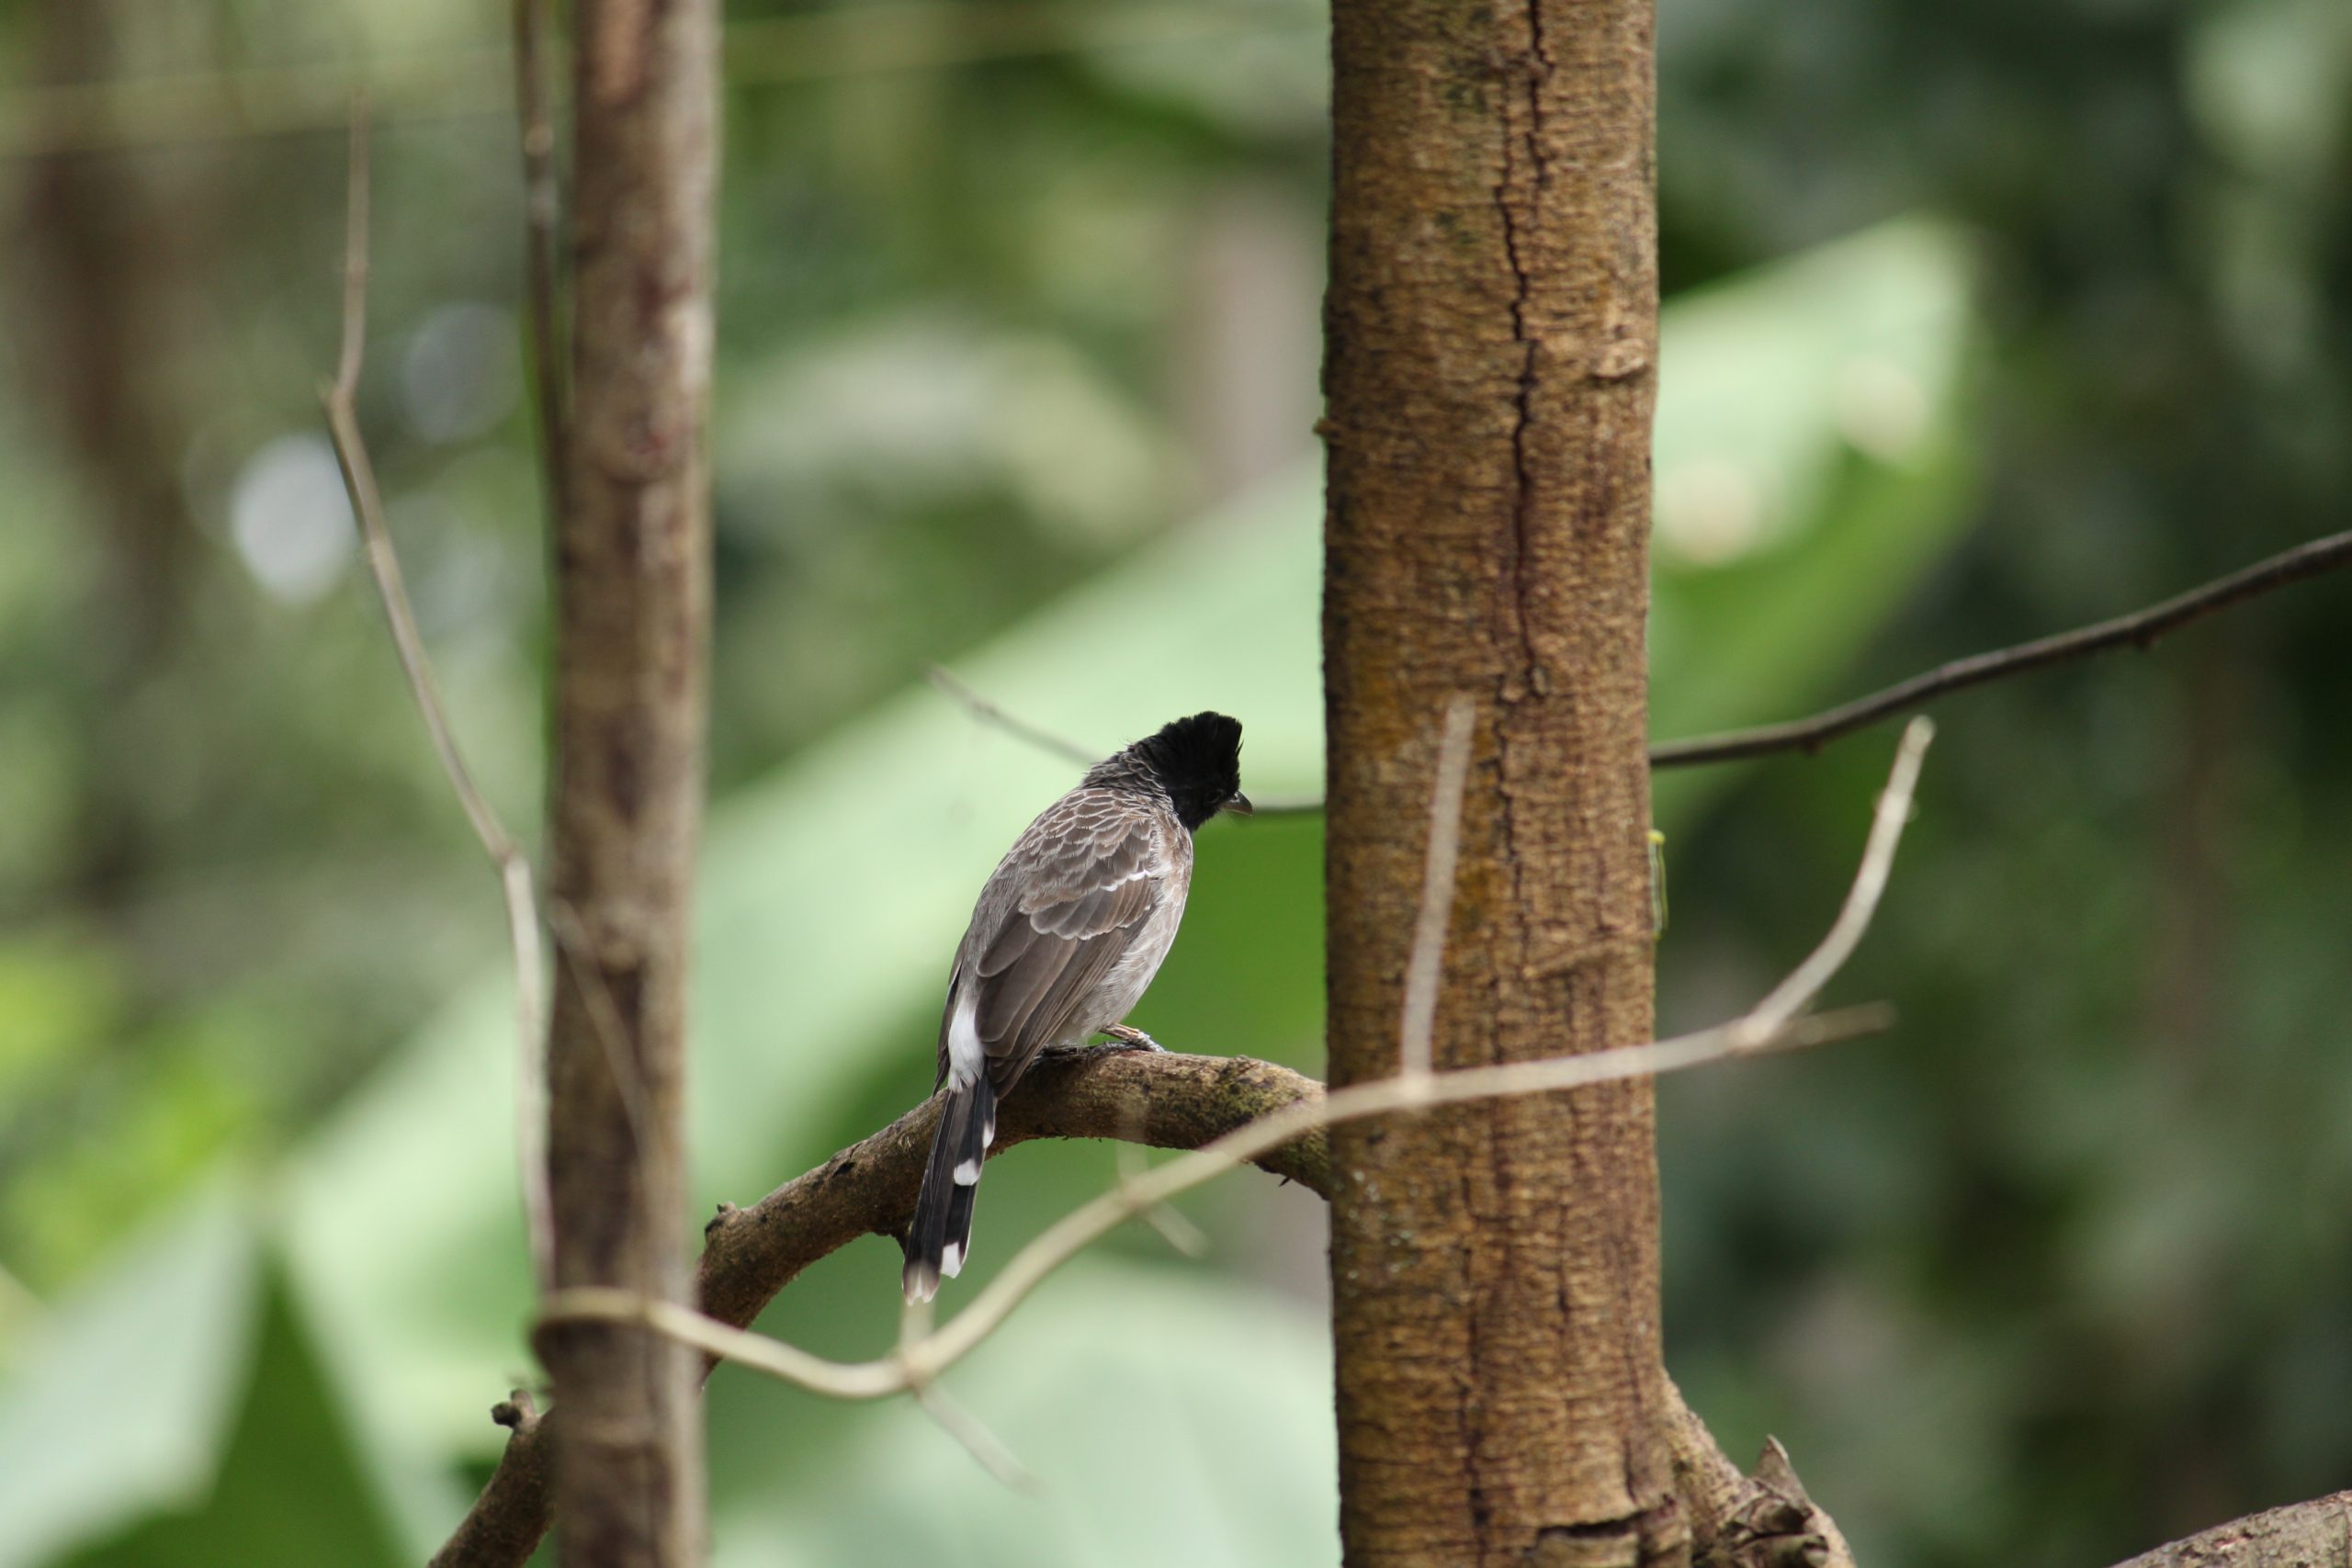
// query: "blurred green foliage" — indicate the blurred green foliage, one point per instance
point(1016, 371)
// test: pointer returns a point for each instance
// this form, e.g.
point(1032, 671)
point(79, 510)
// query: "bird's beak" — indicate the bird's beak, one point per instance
point(1239, 805)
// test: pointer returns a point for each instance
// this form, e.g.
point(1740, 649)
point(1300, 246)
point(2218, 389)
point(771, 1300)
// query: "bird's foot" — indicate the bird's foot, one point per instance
point(1127, 1039)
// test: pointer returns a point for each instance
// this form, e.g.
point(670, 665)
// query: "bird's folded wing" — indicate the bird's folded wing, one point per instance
point(1085, 890)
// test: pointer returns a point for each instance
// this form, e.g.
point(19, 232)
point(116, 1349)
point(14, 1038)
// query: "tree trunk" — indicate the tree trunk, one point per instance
point(632, 588)
point(1491, 343)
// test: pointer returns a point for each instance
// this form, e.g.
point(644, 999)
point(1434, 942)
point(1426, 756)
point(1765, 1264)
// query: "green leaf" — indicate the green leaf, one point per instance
point(1809, 468)
point(292, 1489)
point(122, 1407)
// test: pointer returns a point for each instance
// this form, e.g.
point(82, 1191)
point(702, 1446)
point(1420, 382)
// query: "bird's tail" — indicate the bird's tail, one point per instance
point(939, 1239)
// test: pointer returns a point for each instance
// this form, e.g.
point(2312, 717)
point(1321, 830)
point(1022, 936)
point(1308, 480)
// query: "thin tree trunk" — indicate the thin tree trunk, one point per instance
point(1492, 333)
point(632, 564)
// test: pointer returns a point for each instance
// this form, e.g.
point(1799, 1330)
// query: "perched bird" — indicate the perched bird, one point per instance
point(1067, 933)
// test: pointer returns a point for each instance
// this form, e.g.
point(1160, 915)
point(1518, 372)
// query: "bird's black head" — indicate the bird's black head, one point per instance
point(1198, 761)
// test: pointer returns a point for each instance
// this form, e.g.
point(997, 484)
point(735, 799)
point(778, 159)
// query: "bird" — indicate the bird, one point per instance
point(1067, 934)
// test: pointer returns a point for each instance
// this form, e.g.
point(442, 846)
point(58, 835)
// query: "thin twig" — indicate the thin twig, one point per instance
point(926, 1358)
point(542, 208)
point(1423, 969)
point(987, 712)
point(987, 1450)
point(1044, 739)
point(2141, 629)
point(1175, 1227)
point(983, 1445)
point(513, 866)
point(2138, 630)
point(1793, 994)
point(932, 1355)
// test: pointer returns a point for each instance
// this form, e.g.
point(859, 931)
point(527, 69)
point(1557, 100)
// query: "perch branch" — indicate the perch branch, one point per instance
point(750, 1255)
point(1241, 1109)
point(513, 867)
point(1772, 1022)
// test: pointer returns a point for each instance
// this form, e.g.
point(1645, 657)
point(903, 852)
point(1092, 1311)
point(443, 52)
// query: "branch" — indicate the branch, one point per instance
point(2139, 630)
point(1228, 1112)
point(2297, 1535)
point(1044, 739)
point(750, 1255)
point(2142, 629)
point(1769, 1024)
point(341, 397)
point(987, 713)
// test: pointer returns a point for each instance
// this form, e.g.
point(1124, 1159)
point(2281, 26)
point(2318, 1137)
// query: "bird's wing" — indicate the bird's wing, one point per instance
point(1074, 893)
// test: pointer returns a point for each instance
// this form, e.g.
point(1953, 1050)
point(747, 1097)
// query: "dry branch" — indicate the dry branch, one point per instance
point(513, 867)
point(2138, 630)
point(2142, 629)
point(1772, 1022)
point(2301, 1535)
point(749, 1255)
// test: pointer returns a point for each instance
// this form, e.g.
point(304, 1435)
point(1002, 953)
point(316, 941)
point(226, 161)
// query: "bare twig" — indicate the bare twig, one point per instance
point(2142, 629)
point(967, 1430)
point(1175, 1228)
point(2139, 630)
point(1164, 1098)
point(983, 1445)
point(1772, 1022)
point(1044, 739)
point(1423, 969)
point(987, 713)
point(513, 867)
point(1089, 1223)
point(1793, 994)
point(542, 208)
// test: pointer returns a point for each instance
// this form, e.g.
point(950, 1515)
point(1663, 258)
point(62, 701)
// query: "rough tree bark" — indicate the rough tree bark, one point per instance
point(632, 591)
point(1491, 333)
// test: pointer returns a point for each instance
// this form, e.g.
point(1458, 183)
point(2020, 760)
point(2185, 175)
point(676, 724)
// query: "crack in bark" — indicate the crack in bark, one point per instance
point(1531, 73)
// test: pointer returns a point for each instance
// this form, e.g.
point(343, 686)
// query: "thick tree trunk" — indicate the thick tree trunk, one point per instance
point(1492, 334)
point(632, 563)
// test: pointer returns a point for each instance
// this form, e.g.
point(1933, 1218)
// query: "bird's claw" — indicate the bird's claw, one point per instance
point(1133, 1039)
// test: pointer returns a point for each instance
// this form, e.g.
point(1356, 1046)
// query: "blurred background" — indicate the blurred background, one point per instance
point(1983, 320)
